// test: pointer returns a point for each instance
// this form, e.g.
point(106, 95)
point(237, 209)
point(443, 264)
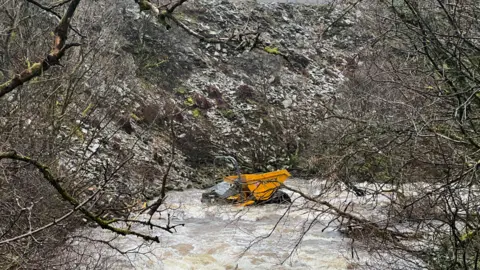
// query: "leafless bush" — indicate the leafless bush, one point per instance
point(152, 113)
point(406, 121)
point(245, 92)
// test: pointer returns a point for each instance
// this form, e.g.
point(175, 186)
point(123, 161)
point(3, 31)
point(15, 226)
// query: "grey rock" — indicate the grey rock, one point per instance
point(287, 103)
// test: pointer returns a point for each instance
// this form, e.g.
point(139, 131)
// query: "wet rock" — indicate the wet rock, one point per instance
point(275, 80)
point(94, 147)
point(287, 103)
point(331, 73)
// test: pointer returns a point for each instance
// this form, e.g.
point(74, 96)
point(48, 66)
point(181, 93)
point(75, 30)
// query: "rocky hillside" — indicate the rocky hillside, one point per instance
point(260, 106)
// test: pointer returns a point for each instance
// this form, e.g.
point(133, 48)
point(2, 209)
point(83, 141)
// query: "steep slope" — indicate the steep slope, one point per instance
point(260, 105)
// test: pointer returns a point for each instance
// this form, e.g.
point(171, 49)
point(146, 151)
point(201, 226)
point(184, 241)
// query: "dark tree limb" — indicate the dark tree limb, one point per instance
point(53, 223)
point(385, 232)
point(163, 13)
point(52, 59)
point(174, 6)
point(47, 9)
point(52, 11)
point(154, 207)
point(60, 4)
point(66, 196)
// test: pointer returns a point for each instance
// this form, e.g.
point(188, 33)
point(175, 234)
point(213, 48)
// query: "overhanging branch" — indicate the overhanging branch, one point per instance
point(52, 59)
point(52, 11)
point(387, 233)
point(235, 41)
point(66, 196)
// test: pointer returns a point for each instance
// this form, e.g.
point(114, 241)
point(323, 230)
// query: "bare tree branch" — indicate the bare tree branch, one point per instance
point(53, 223)
point(105, 224)
point(389, 234)
point(52, 59)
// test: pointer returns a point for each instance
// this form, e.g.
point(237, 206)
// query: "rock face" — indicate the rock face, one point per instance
point(258, 105)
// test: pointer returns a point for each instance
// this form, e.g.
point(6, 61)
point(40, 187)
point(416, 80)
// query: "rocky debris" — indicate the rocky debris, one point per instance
point(262, 86)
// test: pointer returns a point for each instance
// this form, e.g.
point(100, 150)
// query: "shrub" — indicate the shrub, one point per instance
point(245, 92)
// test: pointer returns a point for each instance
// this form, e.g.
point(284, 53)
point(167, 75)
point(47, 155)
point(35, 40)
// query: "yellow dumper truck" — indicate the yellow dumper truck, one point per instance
point(248, 189)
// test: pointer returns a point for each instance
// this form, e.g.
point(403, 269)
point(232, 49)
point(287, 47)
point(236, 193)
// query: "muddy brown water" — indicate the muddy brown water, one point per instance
point(229, 237)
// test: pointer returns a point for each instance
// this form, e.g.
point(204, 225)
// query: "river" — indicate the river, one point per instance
point(229, 237)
